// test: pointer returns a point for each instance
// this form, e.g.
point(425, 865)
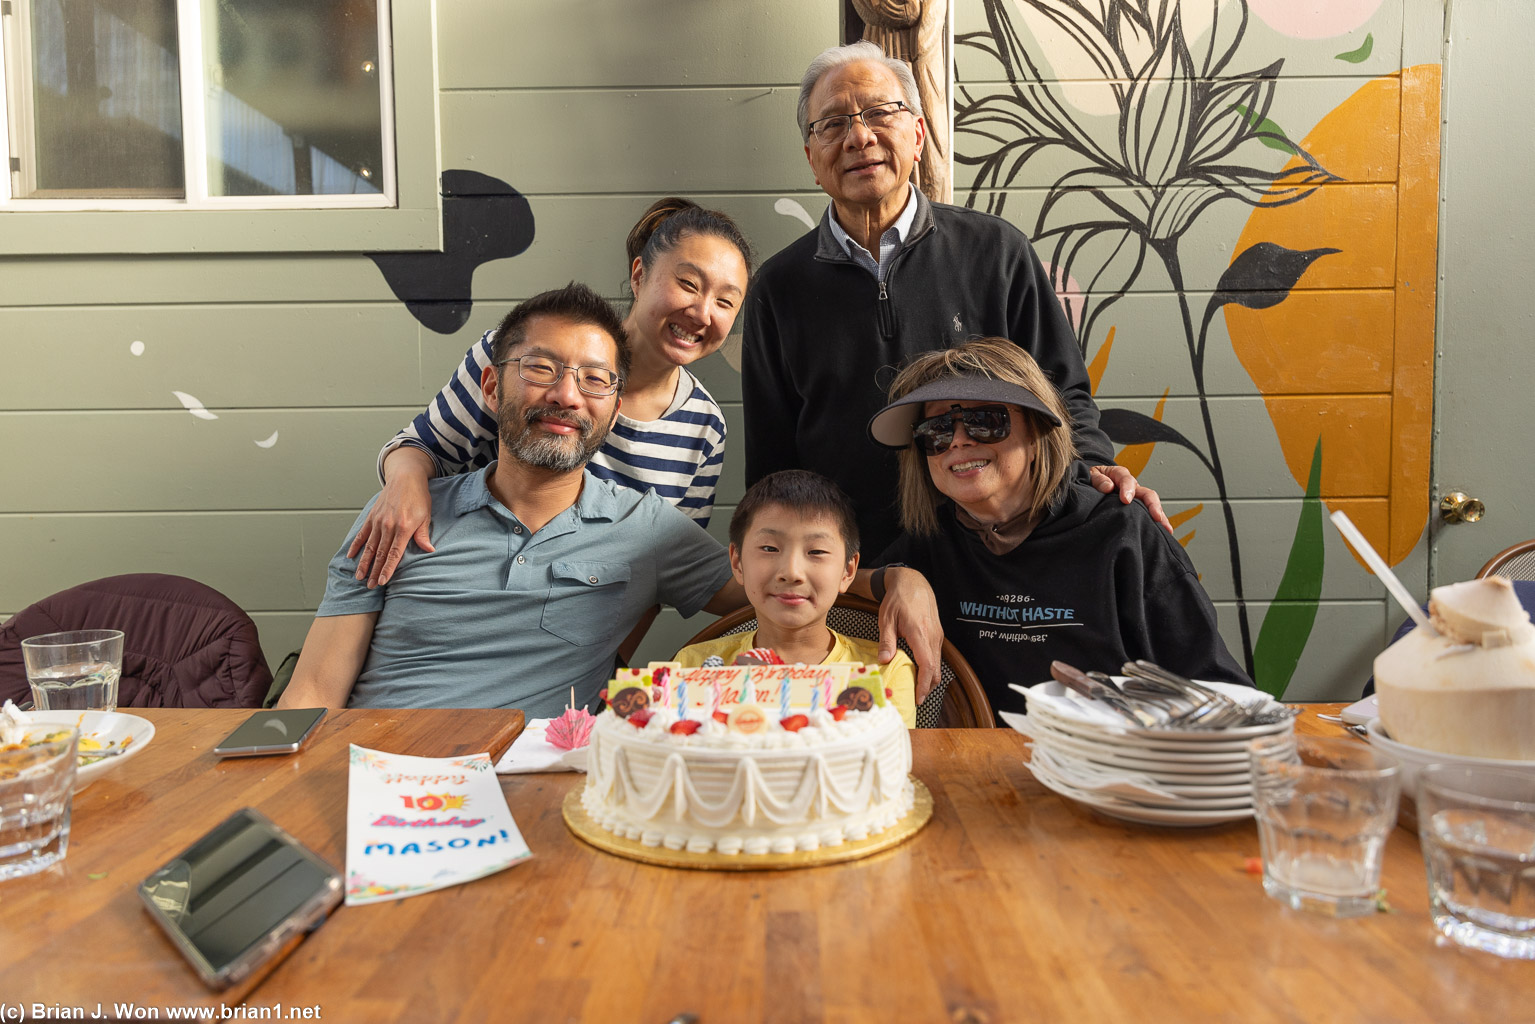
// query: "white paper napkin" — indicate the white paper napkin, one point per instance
point(531, 752)
point(1072, 705)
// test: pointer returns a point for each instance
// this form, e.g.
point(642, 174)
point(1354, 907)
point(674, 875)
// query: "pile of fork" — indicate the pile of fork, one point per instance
point(1151, 697)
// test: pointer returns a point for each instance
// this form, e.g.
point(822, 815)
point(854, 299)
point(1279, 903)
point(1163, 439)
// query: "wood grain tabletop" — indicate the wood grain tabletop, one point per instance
point(1013, 904)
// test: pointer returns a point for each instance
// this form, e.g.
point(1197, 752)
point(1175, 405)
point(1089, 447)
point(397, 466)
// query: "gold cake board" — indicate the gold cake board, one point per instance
point(587, 829)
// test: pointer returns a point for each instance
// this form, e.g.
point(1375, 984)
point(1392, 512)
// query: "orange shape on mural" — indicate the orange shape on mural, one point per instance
point(1363, 359)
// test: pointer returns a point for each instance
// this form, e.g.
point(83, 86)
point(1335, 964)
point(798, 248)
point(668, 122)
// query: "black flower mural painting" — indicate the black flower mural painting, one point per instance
point(1122, 191)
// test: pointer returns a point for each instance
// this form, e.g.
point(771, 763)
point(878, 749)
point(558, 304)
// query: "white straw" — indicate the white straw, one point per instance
point(1382, 570)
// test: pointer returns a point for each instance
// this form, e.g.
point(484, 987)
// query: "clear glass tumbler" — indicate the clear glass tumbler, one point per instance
point(1324, 808)
point(1477, 827)
point(37, 788)
point(74, 671)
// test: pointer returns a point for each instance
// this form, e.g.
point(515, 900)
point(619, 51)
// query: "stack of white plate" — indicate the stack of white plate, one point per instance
point(1086, 752)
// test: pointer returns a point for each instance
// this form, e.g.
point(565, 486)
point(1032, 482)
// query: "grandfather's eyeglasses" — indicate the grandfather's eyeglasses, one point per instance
point(597, 381)
point(879, 119)
point(984, 423)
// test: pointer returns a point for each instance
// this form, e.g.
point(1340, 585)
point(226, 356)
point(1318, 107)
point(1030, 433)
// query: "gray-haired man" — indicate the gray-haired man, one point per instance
point(885, 276)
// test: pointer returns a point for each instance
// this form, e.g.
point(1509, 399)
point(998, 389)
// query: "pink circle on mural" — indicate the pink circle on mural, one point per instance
point(1314, 19)
point(1069, 294)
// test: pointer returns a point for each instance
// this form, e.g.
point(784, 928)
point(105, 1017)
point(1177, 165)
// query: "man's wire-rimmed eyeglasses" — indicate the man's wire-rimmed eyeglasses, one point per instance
point(879, 119)
point(597, 381)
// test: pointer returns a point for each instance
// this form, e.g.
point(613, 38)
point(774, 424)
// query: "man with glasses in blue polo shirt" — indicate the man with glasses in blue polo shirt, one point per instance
point(538, 569)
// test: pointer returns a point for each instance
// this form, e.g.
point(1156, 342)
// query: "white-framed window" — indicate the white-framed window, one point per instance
point(218, 125)
point(120, 104)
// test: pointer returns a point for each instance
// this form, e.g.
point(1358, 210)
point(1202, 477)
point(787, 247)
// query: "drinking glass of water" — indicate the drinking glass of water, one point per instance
point(74, 671)
point(1324, 808)
point(1477, 827)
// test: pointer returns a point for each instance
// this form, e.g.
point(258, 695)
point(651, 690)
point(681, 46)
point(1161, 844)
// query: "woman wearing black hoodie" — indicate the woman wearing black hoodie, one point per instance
point(1029, 562)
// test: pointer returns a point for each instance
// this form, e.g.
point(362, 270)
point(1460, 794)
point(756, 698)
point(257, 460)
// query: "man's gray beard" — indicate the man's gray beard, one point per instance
point(560, 453)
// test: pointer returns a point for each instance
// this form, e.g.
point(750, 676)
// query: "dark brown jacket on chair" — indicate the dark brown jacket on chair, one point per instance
point(184, 643)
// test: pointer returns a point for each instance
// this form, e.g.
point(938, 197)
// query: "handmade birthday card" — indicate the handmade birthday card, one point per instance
point(415, 824)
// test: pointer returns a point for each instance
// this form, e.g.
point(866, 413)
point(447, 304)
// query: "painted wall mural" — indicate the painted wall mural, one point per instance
point(483, 219)
point(1149, 133)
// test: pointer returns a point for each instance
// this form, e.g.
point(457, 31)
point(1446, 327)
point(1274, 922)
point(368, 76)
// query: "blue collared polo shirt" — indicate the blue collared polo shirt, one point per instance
point(500, 617)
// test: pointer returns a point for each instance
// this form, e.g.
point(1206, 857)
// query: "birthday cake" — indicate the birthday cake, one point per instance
point(707, 760)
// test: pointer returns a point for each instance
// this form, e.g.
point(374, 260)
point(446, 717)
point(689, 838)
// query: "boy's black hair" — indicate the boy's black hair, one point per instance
point(806, 494)
point(574, 302)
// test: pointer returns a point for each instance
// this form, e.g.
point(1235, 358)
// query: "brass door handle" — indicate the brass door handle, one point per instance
point(1459, 507)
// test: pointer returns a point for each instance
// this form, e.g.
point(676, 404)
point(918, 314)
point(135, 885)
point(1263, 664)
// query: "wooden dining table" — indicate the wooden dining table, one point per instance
point(1012, 904)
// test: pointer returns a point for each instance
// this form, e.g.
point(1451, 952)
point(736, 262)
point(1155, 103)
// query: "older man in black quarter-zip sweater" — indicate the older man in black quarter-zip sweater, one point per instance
point(885, 276)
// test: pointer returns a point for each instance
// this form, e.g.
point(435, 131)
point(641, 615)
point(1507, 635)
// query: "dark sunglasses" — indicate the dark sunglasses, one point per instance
point(984, 424)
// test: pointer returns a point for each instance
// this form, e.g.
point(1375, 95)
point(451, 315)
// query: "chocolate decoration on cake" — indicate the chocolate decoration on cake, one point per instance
point(856, 697)
point(629, 700)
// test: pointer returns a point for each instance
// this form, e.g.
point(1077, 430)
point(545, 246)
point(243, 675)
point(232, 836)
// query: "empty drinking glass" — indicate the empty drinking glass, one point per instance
point(74, 671)
point(1324, 808)
point(1477, 827)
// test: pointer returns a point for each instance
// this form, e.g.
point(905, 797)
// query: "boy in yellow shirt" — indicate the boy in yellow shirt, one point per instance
point(794, 547)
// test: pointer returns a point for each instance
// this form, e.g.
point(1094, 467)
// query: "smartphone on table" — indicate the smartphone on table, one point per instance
point(240, 898)
point(271, 732)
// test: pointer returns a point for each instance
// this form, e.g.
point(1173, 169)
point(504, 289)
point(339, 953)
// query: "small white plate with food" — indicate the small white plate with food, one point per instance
point(107, 738)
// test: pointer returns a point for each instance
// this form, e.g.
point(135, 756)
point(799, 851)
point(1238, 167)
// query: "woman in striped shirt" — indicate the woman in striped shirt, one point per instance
point(688, 269)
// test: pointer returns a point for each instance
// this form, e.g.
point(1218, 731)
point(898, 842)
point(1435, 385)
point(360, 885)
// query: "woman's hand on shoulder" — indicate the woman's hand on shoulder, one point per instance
point(402, 513)
point(1117, 478)
point(910, 611)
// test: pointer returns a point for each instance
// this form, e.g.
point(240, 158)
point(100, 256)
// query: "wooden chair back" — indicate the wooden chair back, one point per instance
point(1515, 563)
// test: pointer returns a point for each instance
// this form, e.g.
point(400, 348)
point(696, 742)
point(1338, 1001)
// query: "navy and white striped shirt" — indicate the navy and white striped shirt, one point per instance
point(679, 456)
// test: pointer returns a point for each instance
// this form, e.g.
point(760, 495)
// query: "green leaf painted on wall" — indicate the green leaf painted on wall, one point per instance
point(1362, 54)
point(1287, 626)
point(1269, 133)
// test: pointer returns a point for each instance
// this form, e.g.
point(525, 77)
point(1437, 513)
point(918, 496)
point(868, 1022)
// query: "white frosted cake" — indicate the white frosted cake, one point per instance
point(772, 790)
point(1468, 685)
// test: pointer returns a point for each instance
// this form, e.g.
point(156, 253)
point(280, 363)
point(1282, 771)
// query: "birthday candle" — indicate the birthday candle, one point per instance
point(815, 698)
point(746, 685)
point(783, 695)
point(716, 706)
point(682, 697)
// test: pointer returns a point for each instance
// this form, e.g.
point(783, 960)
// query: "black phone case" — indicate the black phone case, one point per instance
point(305, 918)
